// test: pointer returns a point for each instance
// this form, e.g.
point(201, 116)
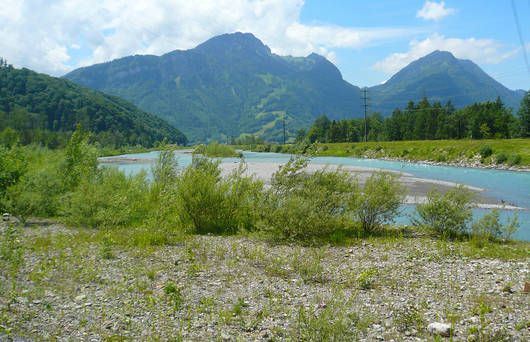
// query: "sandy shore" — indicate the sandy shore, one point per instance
point(418, 188)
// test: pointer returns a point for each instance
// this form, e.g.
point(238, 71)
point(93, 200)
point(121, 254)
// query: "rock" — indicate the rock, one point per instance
point(79, 298)
point(507, 288)
point(5, 217)
point(225, 336)
point(441, 329)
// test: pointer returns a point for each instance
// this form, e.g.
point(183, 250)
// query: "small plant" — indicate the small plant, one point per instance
point(409, 317)
point(366, 279)
point(106, 246)
point(501, 158)
point(308, 265)
point(175, 295)
point(151, 274)
point(331, 323)
point(485, 151)
point(11, 249)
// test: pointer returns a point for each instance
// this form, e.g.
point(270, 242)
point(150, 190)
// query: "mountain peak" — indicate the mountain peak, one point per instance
point(230, 41)
point(439, 54)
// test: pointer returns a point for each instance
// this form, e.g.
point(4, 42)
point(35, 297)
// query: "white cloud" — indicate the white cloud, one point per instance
point(434, 11)
point(40, 34)
point(486, 51)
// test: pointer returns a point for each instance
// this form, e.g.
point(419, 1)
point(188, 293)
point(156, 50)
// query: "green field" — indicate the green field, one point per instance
point(508, 152)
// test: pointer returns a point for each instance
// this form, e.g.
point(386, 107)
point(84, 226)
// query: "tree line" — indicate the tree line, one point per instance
point(427, 121)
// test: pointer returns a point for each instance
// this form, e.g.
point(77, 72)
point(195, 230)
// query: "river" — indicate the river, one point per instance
point(509, 186)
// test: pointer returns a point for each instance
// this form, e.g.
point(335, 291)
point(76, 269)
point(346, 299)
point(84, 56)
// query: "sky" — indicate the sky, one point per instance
point(368, 41)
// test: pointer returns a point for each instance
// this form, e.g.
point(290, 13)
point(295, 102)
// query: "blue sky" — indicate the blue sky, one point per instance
point(368, 41)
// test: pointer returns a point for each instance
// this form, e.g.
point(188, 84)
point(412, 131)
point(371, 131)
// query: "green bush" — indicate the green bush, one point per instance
point(490, 227)
point(514, 159)
point(80, 160)
point(445, 214)
point(301, 206)
point(210, 203)
point(109, 199)
point(380, 200)
point(165, 169)
point(13, 165)
point(38, 194)
point(501, 158)
point(485, 151)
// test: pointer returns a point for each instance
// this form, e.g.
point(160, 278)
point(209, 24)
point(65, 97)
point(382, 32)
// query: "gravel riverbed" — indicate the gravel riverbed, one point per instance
point(71, 287)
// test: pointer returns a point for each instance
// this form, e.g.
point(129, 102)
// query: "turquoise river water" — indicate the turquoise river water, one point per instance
point(510, 186)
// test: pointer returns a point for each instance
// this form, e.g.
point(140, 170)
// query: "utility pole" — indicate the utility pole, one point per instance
point(365, 105)
point(284, 130)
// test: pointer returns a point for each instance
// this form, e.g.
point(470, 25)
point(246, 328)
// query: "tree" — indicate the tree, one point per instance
point(524, 115)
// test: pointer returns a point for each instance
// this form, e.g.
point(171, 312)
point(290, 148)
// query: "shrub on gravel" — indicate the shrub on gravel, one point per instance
point(380, 200)
point(210, 203)
point(446, 214)
point(302, 206)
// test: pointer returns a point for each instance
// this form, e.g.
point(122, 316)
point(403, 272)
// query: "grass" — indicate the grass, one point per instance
point(516, 151)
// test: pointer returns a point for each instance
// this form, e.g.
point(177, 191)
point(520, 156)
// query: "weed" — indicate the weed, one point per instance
point(366, 280)
point(409, 317)
point(175, 295)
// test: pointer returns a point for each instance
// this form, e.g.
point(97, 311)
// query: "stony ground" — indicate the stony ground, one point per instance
point(71, 284)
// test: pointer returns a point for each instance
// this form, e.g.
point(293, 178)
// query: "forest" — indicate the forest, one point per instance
point(427, 121)
point(36, 108)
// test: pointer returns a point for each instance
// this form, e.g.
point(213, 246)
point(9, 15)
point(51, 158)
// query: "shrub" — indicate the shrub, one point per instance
point(446, 214)
point(501, 158)
point(12, 166)
point(38, 193)
point(304, 206)
point(514, 159)
point(209, 203)
point(109, 199)
point(81, 160)
point(485, 151)
point(165, 169)
point(490, 226)
point(380, 200)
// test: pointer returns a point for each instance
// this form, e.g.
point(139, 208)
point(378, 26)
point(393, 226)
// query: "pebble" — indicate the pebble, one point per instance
point(441, 329)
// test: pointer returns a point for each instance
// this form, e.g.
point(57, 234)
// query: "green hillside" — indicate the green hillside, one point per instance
point(441, 77)
point(46, 109)
point(230, 85)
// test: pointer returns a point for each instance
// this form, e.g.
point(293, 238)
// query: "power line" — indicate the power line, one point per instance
point(365, 105)
point(523, 46)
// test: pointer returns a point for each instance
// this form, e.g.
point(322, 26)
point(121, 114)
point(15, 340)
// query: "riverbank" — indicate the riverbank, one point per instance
point(498, 154)
point(418, 188)
point(73, 286)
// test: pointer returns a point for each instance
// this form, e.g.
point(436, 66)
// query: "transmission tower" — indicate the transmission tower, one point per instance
point(365, 106)
point(284, 130)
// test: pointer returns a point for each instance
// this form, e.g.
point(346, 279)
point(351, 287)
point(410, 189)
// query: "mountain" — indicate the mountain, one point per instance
point(440, 77)
point(232, 84)
point(227, 86)
point(36, 102)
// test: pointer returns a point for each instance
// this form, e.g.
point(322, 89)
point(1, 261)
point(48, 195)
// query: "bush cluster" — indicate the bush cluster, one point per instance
point(200, 199)
point(449, 215)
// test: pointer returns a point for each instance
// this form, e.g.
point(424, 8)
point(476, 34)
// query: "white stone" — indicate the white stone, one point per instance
point(441, 329)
